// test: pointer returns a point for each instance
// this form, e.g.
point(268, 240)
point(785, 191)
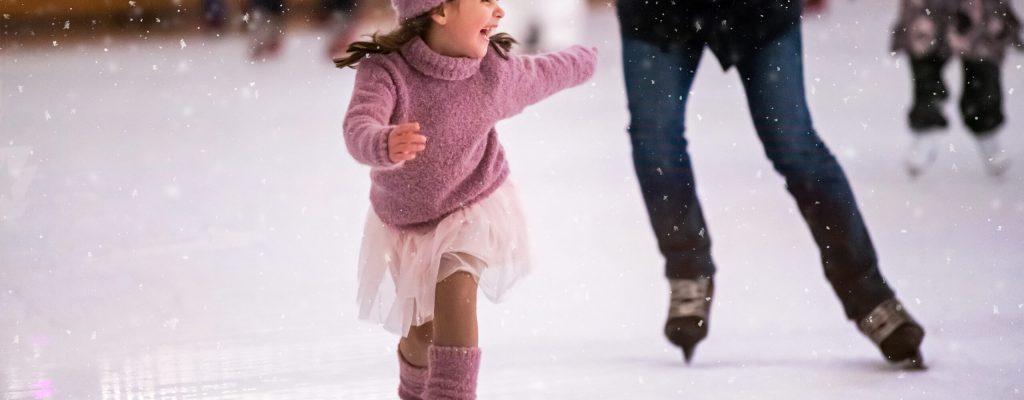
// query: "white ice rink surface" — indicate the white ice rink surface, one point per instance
point(180, 224)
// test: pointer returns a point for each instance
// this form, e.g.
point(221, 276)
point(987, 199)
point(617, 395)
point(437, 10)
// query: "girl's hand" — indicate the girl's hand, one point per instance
point(405, 141)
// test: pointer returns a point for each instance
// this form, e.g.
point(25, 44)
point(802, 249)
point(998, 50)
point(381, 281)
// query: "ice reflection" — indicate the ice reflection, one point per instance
point(281, 365)
point(293, 367)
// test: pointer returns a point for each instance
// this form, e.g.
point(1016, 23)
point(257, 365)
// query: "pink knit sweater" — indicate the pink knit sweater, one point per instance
point(456, 101)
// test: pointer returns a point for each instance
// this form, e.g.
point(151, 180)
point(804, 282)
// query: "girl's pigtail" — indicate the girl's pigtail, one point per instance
point(394, 40)
point(385, 43)
point(502, 43)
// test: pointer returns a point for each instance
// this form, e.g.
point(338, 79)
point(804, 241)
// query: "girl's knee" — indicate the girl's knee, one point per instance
point(460, 284)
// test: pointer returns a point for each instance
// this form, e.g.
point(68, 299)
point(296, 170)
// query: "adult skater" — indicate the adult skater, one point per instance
point(662, 43)
point(978, 32)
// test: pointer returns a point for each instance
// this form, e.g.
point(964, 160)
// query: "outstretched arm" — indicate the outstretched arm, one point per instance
point(530, 79)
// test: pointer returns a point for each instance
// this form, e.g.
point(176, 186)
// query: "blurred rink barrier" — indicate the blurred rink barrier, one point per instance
point(543, 24)
point(39, 17)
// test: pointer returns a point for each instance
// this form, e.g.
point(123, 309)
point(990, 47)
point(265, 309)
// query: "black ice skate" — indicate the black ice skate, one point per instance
point(895, 333)
point(926, 116)
point(689, 307)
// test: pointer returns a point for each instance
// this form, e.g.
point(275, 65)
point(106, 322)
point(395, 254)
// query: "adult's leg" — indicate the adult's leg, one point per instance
point(773, 80)
point(657, 85)
point(929, 92)
point(981, 106)
point(925, 115)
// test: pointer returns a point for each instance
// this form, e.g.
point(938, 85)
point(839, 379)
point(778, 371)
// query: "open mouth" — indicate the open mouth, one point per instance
point(486, 32)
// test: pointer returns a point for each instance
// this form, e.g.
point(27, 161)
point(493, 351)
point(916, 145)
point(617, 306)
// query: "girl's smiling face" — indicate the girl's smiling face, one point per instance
point(463, 27)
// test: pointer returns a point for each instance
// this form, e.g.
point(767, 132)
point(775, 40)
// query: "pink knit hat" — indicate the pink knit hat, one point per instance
point(411, 8)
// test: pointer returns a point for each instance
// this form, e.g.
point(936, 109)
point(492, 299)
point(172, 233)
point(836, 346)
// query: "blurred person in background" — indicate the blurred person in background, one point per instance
point(662, 44)
point(545, 25)
point(266, 25)
point(978, 32)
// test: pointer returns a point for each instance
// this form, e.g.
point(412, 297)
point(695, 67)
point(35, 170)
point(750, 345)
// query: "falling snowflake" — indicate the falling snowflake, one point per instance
point(183, 43)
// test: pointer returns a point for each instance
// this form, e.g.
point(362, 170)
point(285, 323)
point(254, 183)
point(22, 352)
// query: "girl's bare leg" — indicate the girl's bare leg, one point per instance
point(455, 322)
point(414, 347)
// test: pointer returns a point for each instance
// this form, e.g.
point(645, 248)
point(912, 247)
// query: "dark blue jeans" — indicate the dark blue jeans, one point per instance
point(657, 84)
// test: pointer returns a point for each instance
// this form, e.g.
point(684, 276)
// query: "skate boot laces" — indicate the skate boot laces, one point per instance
point(689, 298)
point(883, 320)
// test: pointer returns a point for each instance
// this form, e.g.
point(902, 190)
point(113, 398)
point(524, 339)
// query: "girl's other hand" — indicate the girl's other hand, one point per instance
point(405, 141)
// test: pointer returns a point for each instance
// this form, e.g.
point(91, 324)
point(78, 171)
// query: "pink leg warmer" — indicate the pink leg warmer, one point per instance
point(412, 380)
point(453, 372)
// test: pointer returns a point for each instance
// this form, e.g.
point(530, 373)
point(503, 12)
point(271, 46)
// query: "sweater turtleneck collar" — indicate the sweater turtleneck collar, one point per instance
point(435, 65)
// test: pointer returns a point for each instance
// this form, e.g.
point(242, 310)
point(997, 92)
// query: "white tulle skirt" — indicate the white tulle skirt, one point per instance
point(398, 269)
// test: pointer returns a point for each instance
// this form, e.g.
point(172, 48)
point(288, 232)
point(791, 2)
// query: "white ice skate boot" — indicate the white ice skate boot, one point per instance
point(994, 157)
point(922, 153)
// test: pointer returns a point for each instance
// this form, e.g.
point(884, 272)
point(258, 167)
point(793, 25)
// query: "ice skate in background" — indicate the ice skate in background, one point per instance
point(931, 32)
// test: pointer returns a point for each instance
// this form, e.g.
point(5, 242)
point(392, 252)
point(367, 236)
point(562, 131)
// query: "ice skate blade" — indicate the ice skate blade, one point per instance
point(912, 363)
point(688, 353)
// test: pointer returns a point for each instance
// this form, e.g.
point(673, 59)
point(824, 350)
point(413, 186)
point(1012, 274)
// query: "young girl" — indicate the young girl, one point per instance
point(978, 32)
point(444, 219)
